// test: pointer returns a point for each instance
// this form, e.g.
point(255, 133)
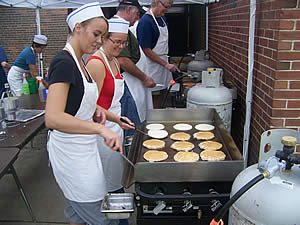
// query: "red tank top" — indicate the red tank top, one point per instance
point(108, 88)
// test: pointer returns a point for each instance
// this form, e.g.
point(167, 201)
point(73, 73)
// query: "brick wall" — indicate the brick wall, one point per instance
point(18, 27)
point(276, 82)
point(286, 100)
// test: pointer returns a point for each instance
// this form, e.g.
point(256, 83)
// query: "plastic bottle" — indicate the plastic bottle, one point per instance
point(42, 90)
point(25, 86)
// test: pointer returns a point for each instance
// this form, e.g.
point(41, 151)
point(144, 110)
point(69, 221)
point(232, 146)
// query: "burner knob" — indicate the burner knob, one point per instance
point(187, 205)
point(160, 206)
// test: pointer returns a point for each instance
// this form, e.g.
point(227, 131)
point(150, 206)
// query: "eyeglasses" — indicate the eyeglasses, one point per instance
point(119, 43)
point(164, 5)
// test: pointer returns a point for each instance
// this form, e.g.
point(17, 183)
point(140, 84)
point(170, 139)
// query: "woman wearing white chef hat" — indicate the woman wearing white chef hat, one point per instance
point(26, 63)
point(70, 107)
point(105, 69)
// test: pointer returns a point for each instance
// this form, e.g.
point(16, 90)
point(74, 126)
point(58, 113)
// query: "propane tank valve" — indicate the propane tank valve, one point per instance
point(286, 153)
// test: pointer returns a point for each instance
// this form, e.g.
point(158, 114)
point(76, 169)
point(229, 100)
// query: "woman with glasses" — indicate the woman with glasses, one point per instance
point(153, 37)
point(26, 63)
point(105, 70)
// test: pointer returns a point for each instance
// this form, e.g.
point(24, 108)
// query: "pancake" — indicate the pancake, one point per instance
point(204, 127)
point(155, 156)
point(180, 136)
point(159, 134)
point(212, 155)
point(155, 126)
point(203, 135)
point(186, 157)
point(182, 126)
point(211, 145)
point(182, 146)
point(154, 144)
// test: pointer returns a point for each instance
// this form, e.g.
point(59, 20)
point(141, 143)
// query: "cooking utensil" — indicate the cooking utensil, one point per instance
point(124, 157)
point(137, 129)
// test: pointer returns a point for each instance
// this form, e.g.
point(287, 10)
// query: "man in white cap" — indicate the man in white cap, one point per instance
point(26, 63)
point(134, 101)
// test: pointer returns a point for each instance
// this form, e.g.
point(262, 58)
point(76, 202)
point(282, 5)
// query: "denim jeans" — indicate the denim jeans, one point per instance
point(128, 109)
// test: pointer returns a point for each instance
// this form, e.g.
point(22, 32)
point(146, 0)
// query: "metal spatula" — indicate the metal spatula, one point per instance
point(124, 157)
point(137, 129)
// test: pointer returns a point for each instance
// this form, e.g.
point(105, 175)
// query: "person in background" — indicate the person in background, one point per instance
point(105, 70)
point(26, 63)
point(153, 36)
point(70, 108)
point(3, 65)
point(137, 97)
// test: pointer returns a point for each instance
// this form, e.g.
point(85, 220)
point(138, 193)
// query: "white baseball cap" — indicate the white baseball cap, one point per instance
point(83, 13)
point(40, 39)
point(118, 25)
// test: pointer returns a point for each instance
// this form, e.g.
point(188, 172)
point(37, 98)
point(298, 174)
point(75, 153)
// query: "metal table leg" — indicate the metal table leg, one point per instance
point(19, 185)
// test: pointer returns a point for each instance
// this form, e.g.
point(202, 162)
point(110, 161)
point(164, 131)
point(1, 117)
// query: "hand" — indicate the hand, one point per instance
point(99, 116)
point(126, 125)
point(149, 82)
point(172, 67)
point(111, 139)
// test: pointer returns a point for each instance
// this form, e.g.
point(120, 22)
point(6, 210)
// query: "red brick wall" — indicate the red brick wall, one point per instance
point(18, 27)
point(276, 82)
point(286, 94)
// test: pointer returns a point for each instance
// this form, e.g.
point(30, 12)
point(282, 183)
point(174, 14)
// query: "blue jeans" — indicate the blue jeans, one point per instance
point(128, 109)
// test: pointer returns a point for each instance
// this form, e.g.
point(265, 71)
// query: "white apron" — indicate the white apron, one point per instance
point(141, 95)
point(113, 164)
point(15, 79)
point(75, 158)
point(158, 73)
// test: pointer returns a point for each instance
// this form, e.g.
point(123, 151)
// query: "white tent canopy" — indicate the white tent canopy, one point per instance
point(56, 4)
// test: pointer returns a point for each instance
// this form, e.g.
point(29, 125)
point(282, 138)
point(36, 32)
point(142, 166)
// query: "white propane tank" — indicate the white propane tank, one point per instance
point(212, 94)
point(272, 201)
point(275, 199)
point(199, 64)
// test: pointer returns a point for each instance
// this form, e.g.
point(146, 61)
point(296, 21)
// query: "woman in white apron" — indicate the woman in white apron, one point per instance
point(26, 63)
point(70, 107)
point(105, 70)
point(155, 63)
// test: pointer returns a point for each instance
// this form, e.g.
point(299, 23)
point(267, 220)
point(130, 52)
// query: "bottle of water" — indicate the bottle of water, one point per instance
point(25, 86)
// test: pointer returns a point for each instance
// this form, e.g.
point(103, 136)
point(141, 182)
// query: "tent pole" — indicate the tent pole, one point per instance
point(38, 31)
point(249, 81)
point(206, 28)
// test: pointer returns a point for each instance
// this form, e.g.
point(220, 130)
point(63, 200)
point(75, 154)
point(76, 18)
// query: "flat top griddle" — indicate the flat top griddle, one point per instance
point(172, 171)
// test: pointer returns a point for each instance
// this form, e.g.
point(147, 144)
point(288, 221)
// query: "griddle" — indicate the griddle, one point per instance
point(172, 171)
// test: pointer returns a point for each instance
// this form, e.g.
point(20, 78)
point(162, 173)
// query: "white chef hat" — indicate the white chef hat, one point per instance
point(40, 39)
point(83, 13)
point(118, 25)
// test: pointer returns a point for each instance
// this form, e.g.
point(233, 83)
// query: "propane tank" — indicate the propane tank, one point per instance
point(274, 200)
point(200, 63)
point(212, 94)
